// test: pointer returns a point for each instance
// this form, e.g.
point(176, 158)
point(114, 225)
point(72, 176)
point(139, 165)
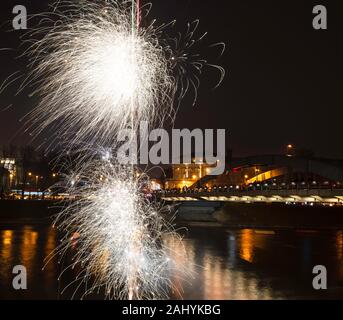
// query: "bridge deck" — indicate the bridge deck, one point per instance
point(310, 196)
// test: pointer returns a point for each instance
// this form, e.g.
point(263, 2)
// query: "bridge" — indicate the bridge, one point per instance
point(271, 169)
point(292, 179)
point(330, 169)
point(311, 197)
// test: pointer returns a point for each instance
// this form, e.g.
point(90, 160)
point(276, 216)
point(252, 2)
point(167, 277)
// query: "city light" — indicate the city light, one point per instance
point(290, 150)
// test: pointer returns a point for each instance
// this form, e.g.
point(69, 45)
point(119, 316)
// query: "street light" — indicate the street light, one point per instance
point(290, 149)
point(11, 179)
point(37, 183)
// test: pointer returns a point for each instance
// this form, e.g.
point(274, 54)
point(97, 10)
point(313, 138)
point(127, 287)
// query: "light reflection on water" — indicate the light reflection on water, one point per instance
point(225, 264)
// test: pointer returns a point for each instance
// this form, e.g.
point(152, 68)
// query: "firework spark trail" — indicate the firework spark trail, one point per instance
point(95, 73)
point(120, 246)
point(187, 62)
point(98, 71)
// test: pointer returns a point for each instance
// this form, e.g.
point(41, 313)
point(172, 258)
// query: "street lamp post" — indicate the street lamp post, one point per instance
point(30, 177)
point(11, 180)
point(290, 150)
point(37, 183)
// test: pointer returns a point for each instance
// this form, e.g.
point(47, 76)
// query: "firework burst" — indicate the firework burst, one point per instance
point(96, 72)
point(119, 234)
point(188, 64)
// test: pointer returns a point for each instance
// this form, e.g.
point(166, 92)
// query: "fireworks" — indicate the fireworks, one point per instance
point(97, 71)
point(120, 234)
point(188, 65)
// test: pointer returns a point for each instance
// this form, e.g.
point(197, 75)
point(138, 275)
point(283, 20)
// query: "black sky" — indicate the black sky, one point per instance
point(283, 82)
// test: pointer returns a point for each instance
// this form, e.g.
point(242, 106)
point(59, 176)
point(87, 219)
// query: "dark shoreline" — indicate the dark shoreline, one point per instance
point(28, 211)
point(261, 215)
point(227, 215)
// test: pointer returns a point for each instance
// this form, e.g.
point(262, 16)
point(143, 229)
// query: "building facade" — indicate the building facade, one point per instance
point(185, 175)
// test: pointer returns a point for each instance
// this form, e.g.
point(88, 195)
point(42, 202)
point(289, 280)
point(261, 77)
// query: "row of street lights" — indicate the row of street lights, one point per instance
point(37, 177)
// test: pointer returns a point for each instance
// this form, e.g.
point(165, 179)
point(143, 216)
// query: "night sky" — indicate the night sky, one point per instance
point(283, 82)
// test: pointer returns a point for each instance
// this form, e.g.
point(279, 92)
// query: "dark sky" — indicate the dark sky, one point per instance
point(283, 82)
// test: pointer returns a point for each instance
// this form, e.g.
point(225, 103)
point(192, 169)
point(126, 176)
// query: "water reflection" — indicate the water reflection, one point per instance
point(6, 247)
point(219, 263)
point(261, 264)
point(247, 245)
point(28, 247)
point(216, 273)
point(7, 236)
point(339, 244)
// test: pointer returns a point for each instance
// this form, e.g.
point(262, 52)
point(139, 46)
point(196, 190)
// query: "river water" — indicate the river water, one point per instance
point(224, 263)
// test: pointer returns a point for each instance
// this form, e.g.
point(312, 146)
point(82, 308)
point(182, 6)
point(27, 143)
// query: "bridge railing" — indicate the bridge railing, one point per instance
point(299, 189)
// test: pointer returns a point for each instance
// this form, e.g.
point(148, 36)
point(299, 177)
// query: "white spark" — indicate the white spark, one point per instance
point(119, 234)
point(96, 73)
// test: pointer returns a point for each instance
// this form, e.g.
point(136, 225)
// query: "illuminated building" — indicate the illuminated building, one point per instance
point(9, 172)
point(187, 174)
point(155, 185)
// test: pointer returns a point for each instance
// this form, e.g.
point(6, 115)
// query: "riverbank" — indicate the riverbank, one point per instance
point(216, 214)
point(22, 211)
point(260, 215)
